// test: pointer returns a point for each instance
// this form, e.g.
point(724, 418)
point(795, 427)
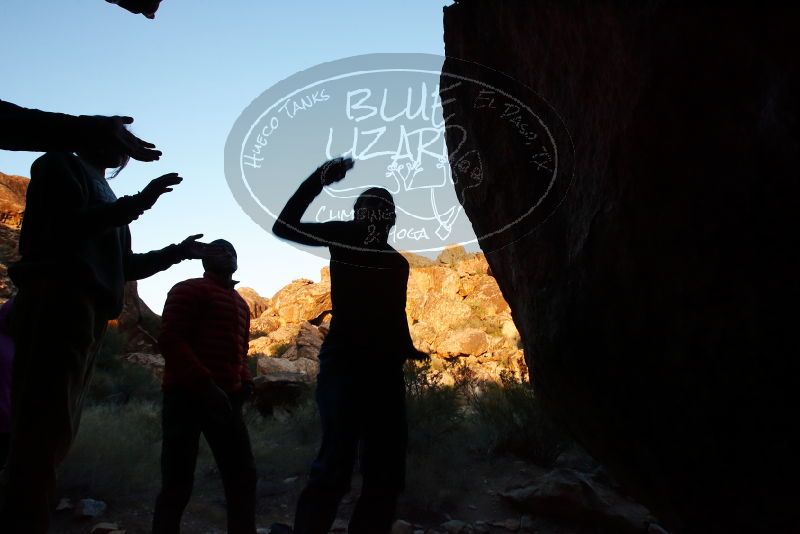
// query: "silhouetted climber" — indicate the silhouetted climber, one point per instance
point(41, 131)
point(147, 8)
point(204, 340)
point(76, 256)
point(360, 388)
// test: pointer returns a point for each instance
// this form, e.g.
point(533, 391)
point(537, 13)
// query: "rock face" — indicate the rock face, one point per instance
point(277, 389)
point(575, 496)
point(137, 322)
point(657, 304)
point(455, 312)
point(12, 204)
point(255, 302)
point(303, 300)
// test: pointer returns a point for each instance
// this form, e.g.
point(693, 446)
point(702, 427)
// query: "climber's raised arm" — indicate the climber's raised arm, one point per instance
point(288, 225)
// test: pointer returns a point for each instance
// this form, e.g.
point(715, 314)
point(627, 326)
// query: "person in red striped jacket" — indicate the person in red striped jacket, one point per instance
point(204, 340)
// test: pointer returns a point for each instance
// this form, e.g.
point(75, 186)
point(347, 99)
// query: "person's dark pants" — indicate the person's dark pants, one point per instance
point(52, 369)
point(183, 420)
point(362, 408)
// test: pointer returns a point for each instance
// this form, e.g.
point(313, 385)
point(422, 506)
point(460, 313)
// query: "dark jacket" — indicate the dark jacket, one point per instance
point(205, 332)
point(75, 231)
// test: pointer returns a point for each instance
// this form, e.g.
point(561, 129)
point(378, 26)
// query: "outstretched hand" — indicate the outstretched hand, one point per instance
point(133, 146)
point(112, 134)
point(147, 8)
point(192, 249)
point(158, 186)
point(335, 170)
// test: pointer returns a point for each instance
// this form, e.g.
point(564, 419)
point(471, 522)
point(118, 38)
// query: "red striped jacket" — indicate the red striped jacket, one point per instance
point(204, 335)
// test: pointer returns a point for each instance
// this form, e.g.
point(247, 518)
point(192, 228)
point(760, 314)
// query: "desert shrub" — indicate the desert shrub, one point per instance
point(465, 378)
point(437, 452)
point(112, 346)
point(286, 443)
point(493, 328)
point(122, 383)
point(433, 408)
point(478, 313)
point(151, 323)
point(116, 381)
point(116, 451)
point(512, 420)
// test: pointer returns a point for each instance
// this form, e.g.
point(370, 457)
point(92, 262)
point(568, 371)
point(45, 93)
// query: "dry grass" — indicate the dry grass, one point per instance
point(117, 452)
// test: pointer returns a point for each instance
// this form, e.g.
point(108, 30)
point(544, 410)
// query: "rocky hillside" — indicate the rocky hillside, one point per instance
point(658, 303)
point(12, 204)
point(138, 323)
point(455, 312)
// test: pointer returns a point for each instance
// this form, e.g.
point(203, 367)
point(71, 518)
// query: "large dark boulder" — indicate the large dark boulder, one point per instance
point(580, 499)
point(658, 302)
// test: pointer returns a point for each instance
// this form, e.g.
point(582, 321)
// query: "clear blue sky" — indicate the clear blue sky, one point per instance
point(186, 77)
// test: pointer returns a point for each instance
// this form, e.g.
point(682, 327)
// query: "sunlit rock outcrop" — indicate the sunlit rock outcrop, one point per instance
point(455, 313)
point(12, 205)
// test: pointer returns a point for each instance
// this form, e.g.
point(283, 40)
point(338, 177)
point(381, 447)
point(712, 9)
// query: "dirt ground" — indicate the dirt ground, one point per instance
point(479, 504)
